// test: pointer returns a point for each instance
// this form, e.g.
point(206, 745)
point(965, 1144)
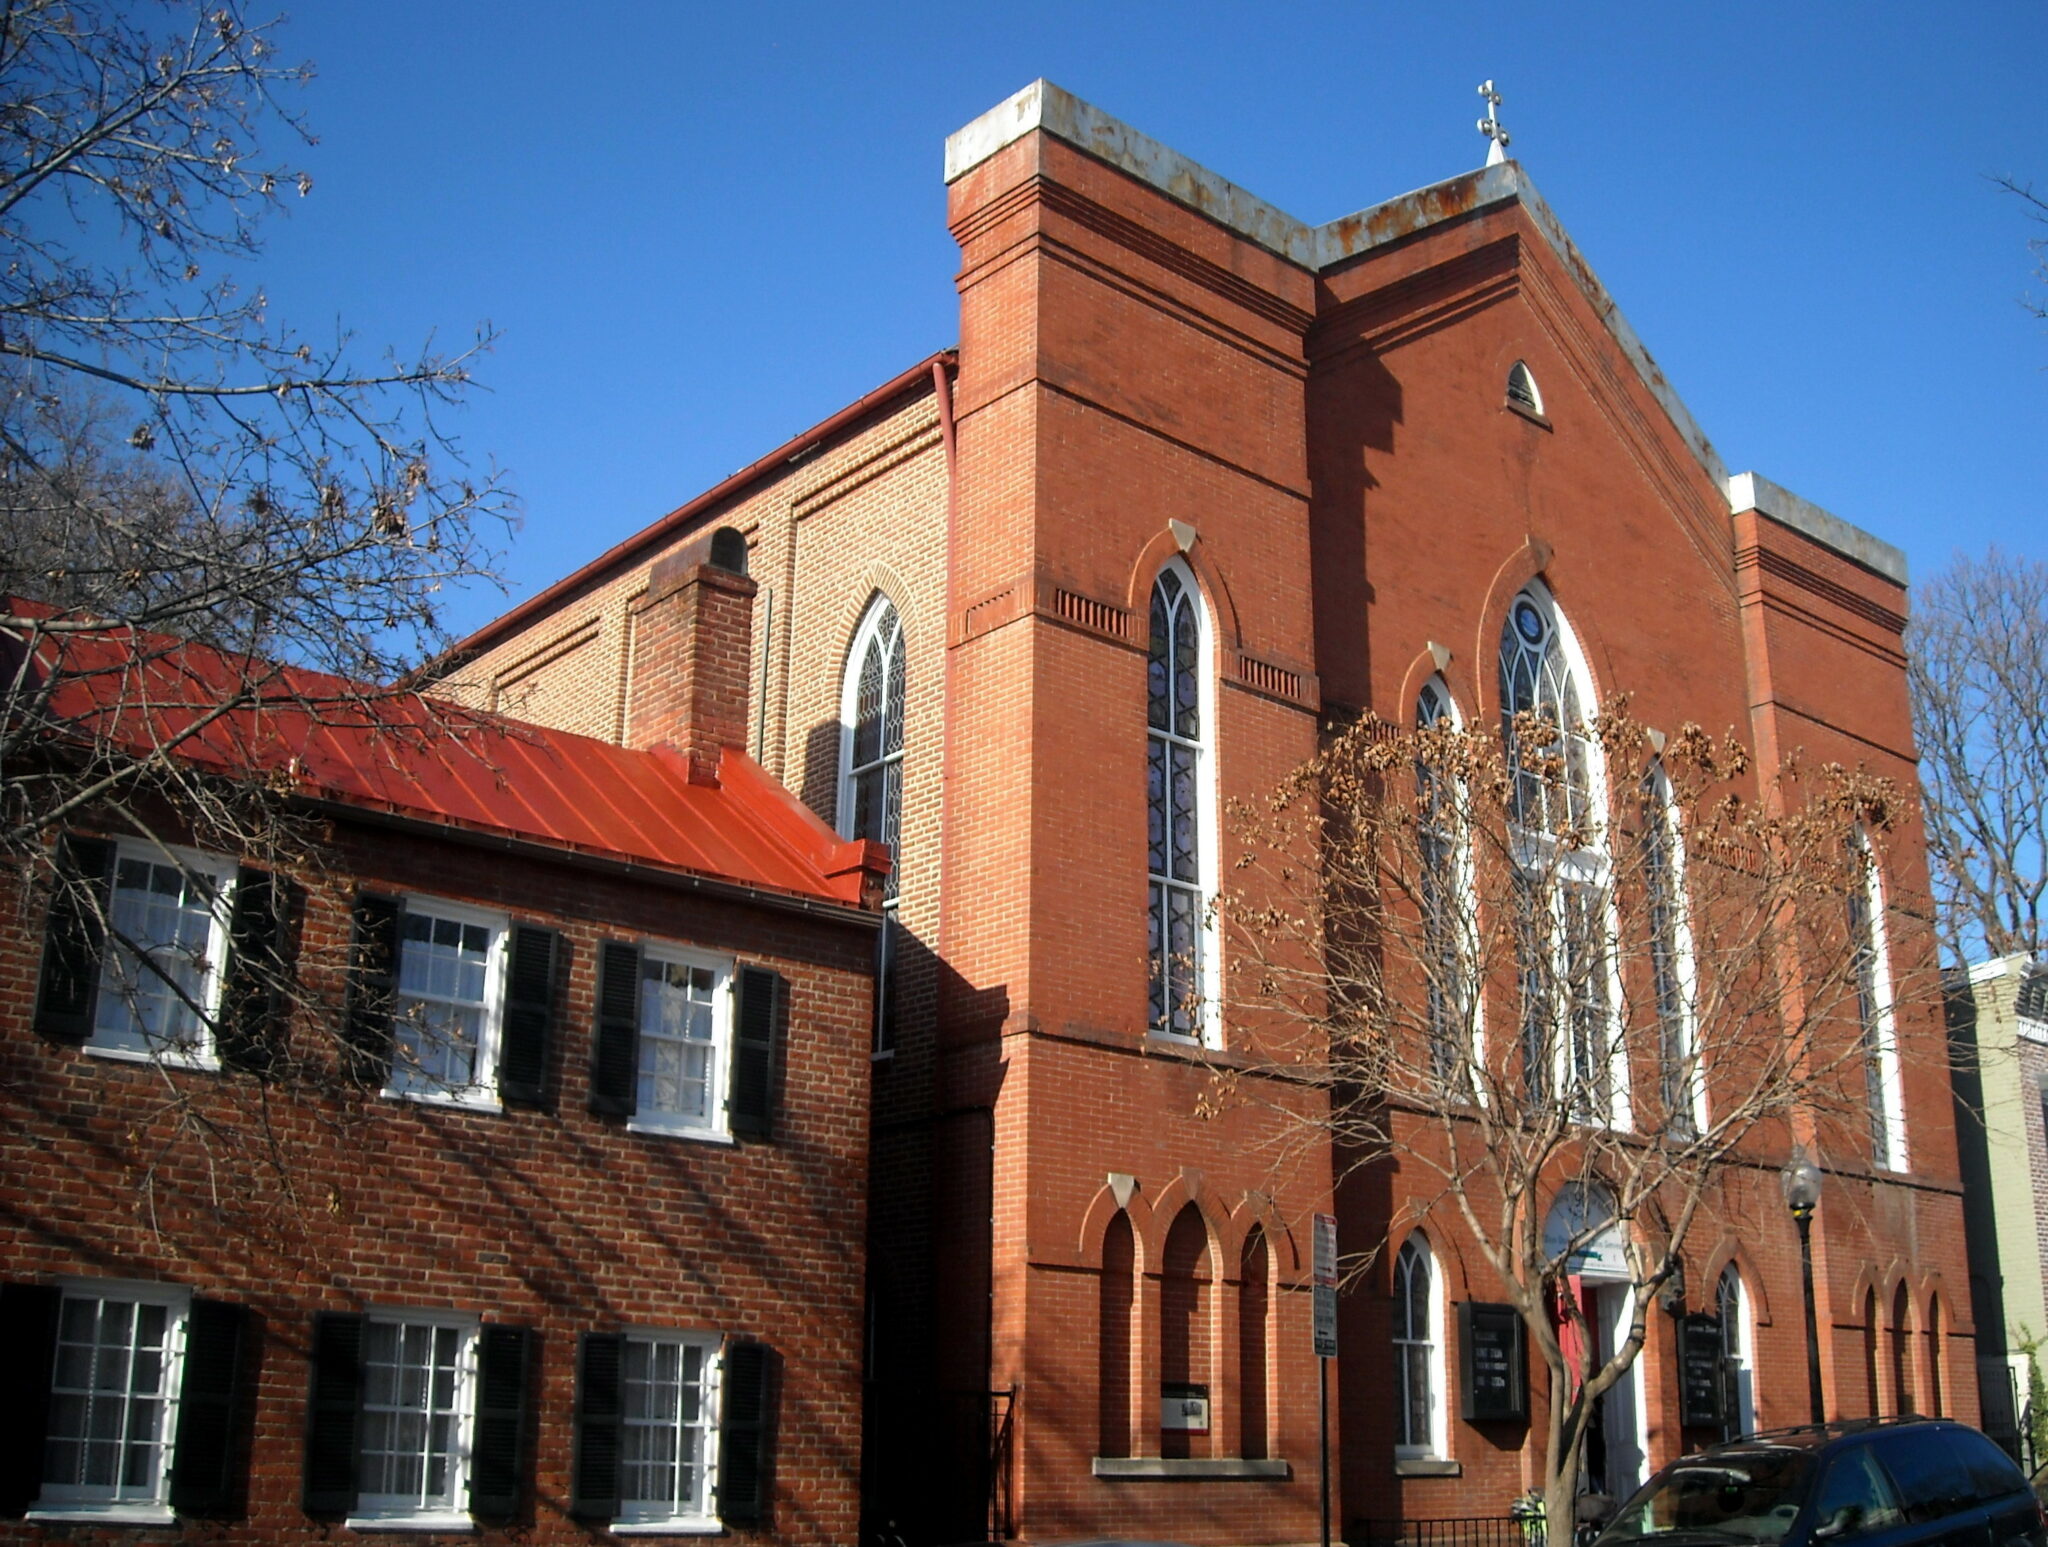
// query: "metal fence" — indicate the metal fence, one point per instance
point(1468, 1531)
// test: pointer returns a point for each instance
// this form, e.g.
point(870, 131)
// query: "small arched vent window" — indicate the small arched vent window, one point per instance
point(1522, 391)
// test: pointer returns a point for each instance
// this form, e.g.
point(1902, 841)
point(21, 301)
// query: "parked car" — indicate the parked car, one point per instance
point(1900, 1482)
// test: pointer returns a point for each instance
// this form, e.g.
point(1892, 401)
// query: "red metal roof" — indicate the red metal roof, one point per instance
point(403, 754)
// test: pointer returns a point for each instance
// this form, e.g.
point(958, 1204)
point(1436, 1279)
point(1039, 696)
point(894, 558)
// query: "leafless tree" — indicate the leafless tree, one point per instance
point(2037, 209)
point(210, 524)
point(1978, 667)
point(1582, 982)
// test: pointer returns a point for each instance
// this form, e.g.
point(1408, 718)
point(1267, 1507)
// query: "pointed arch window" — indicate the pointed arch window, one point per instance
point(1448, 946)
point(1418, 1353)
point(871, 770)
point(1683, 1084)
point(1871, 963)
point(1180, 809)
point(1564, 925)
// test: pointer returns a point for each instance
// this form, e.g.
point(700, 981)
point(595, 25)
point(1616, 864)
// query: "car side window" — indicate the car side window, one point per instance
point(1930, 1474)
point(1855, 1498)
point(1994, 1473)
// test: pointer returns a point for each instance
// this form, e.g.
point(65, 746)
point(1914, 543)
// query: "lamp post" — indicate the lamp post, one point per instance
point(1800, 1182)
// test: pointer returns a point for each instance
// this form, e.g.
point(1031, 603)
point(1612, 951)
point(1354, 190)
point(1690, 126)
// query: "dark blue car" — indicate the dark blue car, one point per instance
point(1872, 1482)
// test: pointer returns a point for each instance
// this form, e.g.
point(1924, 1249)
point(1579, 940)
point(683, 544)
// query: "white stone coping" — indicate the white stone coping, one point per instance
point(1753, 491)
point(1042, 105)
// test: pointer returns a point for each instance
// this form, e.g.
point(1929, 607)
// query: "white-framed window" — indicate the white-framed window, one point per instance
point(1673, 983)
point(1731, 1304)
point(1181, 811)
point(1449, 921)
point(1419, 1426)
point(668, 1450)
point(418, 1401)
point(167, 945)
point(685, 1043)
point(1569, 987)
point(871, 702)
point(1884, 1092)
point(449, 1002)
point(114, 1401)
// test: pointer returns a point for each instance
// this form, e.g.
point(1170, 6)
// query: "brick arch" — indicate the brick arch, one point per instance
point(1420, 670)
point(1095, 1222)
point(1152, 558)
point(1525, 564)
point(1449, 1266)
point(875, 579)
point(1257, 1210)
point(1729, 1249)
point(1177, 1195)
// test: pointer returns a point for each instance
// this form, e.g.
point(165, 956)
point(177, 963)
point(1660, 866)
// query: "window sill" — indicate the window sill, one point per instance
point(436, 1522)
point(1534, 416)
point(1427, 1466)
point(1188, 1469)
point(439, 1098)
point(882, 1055)
point(697, 1527)
point(84, 1513)
point(672, 1131)
point(163, 1060)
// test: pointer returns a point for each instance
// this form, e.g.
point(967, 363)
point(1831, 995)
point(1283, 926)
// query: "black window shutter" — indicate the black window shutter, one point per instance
point(758, 1031)
point(529, 1014)
point(28, 1357)
point(745, 1432)
point(600, 1409)
point(332, 1407)
point(373, 987)
point(615, 1050)
point(497, 1458)
point(203, 1474)
point(73, 937)
point(256, 999)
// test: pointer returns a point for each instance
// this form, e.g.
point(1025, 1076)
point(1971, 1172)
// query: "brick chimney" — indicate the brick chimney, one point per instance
point(692, 652)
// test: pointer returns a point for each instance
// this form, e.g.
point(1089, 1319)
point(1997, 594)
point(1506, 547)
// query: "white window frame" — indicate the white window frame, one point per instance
point(1208, 950)
point(1663, 809)
point(1437, 1447)
point(400, 1512)
point(1730, 1292)
point(200, 1053)
point(647, 1521)
point(82, 1502)
point(1588, 868)
point(881, 615)
point(717, 1120)
point(1877, 1023)
point(481, 1092)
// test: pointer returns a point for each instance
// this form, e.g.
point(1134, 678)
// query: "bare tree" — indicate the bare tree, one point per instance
point(1978, 668)
point(1586, 983)
point(215, 533)
point(2037, 209)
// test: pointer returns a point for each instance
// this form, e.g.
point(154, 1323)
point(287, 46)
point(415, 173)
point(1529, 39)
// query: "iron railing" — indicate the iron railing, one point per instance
point(1465, 1531)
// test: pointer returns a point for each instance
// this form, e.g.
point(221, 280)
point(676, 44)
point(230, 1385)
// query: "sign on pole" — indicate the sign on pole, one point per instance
point(1326, 1286)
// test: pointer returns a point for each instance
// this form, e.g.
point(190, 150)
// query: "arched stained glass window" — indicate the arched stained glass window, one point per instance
point(1178, 807)
point(1563, 923)
point(871, 769)
point(1883, 1091)
point(1418, 1342)
point(1447, 943)
point(1671, 966)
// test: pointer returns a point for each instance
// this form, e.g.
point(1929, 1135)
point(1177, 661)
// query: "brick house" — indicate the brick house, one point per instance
point(1292, 473)
point(531, 1210)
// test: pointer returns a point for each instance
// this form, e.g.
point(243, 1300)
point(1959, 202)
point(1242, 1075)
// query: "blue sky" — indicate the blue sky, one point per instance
point(702, 228)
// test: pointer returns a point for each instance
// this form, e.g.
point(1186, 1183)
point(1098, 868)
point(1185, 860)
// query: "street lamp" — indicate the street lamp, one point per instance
point(1800, 1182)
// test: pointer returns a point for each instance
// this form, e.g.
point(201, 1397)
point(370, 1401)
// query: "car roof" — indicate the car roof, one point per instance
point(1819, 1436)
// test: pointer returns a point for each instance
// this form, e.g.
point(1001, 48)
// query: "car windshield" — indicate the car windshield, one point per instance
point(1736, 1496)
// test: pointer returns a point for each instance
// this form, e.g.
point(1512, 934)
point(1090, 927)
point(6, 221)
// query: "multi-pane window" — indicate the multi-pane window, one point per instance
point(166, 943)
point(445, 1030)
point(1177, 808)
point(1417, 1394)
point(1883, 1094)
point(1670, 955)
point(414, 1453)
point(871, 770)
point(113, 1398)
point(1563, 925)
point(684, 1015)
point(1446, 908)
point(669, 1428)
point(1739, 1396)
